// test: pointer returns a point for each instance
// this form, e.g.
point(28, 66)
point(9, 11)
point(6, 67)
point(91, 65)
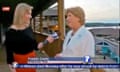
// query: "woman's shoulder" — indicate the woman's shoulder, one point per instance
point(13, 28)
point(10, 30)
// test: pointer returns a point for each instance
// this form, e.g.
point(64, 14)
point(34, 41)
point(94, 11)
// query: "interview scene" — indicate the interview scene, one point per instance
point(59, 36)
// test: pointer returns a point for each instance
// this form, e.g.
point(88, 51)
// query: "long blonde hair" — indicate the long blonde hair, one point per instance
point(20, 10)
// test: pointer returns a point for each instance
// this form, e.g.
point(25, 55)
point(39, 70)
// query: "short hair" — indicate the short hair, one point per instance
point(78, 12)
point(20, 10)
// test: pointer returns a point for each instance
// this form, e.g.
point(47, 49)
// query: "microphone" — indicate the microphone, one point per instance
point(45, 42)
point(55, 35)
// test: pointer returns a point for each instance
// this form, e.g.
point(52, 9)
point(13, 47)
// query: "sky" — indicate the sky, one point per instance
point(97, 10)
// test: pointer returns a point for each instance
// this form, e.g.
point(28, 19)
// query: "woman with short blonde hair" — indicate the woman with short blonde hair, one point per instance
point(79, 42)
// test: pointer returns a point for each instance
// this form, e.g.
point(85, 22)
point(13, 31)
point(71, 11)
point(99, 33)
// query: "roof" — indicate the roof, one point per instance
point(50, 12)
point(39, 6)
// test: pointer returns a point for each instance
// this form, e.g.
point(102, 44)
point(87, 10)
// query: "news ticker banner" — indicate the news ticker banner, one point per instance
point(63, 62)
point(56, 66)
point(85, 59)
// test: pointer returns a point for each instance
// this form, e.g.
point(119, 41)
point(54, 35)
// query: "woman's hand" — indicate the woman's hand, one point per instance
point(11, 68)
point(40, 45)
point(50, 39)
point(58, 55)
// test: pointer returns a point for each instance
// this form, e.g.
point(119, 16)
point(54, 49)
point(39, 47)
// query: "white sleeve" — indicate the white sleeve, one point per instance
point(89, 45)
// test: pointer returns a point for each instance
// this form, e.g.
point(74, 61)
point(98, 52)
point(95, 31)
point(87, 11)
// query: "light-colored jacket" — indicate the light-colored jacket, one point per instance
point(79, 45)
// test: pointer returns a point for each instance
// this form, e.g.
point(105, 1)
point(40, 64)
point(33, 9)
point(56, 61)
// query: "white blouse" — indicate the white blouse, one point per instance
point(79, 45)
